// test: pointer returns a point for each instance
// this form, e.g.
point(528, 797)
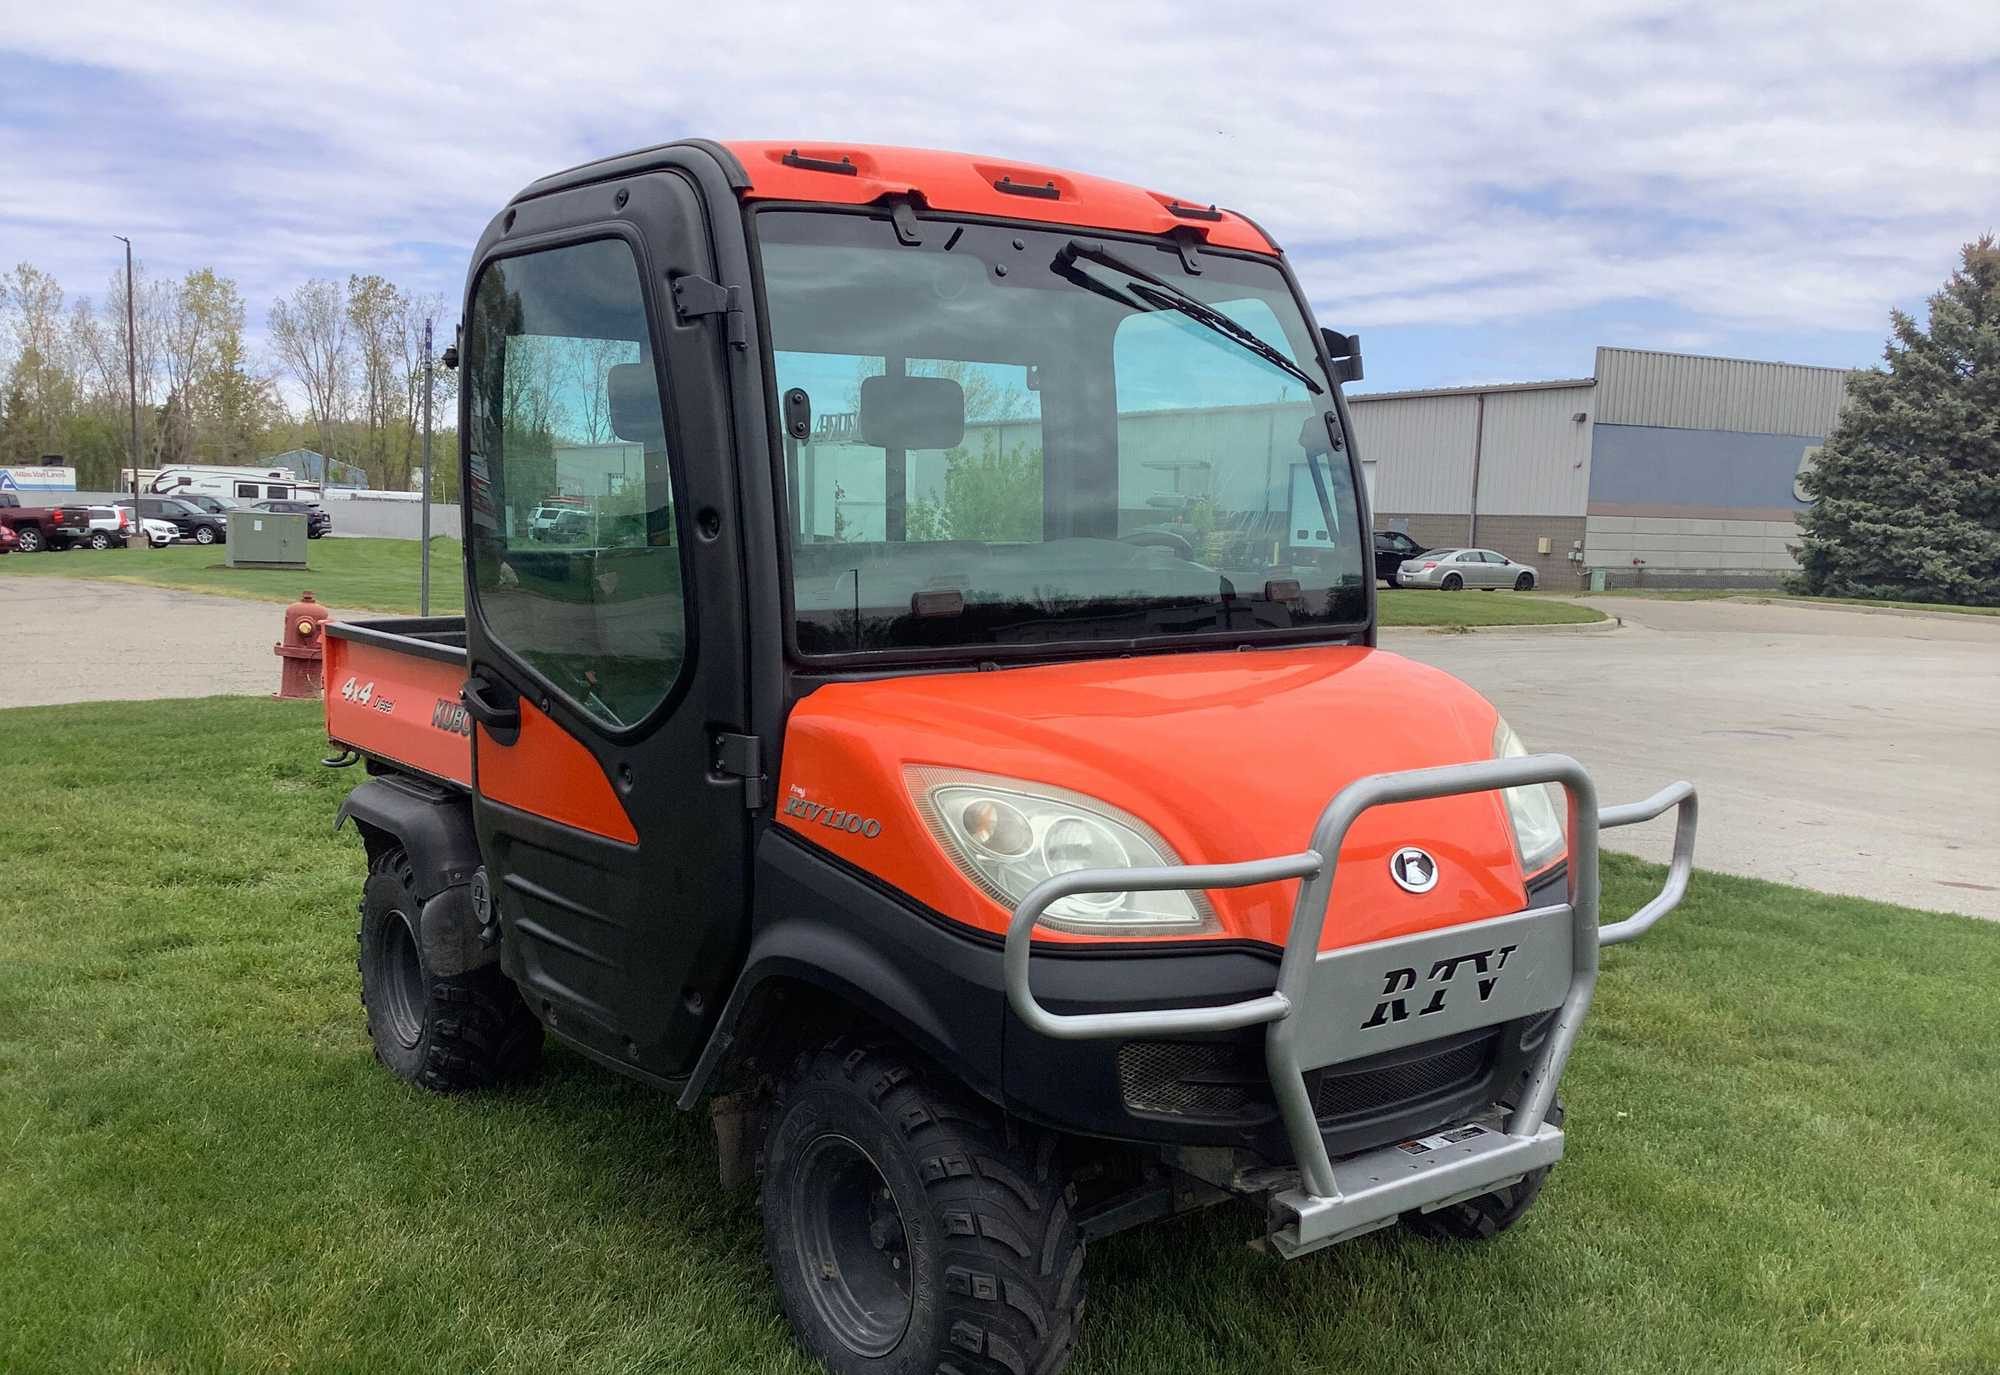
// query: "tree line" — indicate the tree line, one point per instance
point(341, 372)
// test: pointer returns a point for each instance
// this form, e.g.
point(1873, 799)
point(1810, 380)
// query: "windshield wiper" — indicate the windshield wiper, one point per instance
point(1163, 294)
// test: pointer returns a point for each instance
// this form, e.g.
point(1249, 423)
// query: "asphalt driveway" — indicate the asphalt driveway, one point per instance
point(1851, 752)
point(88, 640)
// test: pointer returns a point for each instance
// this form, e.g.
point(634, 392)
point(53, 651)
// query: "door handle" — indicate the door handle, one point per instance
point(501, 719)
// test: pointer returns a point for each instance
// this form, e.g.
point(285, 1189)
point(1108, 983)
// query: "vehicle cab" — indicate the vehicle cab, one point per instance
point(969, 648)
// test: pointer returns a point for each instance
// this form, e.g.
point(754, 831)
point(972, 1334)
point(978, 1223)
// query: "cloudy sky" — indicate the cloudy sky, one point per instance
point(1485, 190)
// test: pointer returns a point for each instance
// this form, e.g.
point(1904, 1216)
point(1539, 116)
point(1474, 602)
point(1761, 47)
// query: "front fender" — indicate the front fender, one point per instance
point(819, 922)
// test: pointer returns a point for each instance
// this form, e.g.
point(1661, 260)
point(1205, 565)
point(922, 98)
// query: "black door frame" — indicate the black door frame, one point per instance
point(648, 937)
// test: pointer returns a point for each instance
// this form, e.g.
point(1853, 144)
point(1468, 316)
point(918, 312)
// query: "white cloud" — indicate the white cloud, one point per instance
point(1777, 165)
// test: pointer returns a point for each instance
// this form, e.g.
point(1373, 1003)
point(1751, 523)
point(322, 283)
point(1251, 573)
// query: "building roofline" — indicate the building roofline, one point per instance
point(1726, 358)
point(1559, 384)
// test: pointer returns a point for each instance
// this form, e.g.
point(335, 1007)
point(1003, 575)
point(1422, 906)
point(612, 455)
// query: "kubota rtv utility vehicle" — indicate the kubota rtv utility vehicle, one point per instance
point(954, 745)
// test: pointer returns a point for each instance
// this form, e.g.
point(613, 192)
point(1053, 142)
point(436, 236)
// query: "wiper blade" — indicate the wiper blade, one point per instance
point(1165, 295)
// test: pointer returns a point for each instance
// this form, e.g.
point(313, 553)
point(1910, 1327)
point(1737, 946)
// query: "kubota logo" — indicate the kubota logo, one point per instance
point(451, 716)
point(1414, 870)
point(1486, 967)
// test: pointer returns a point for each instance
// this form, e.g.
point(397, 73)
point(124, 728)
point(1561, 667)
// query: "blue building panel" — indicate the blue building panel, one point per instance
point(1648, 469)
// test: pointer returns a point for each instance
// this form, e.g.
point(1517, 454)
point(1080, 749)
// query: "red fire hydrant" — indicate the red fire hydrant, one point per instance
point(299, 651)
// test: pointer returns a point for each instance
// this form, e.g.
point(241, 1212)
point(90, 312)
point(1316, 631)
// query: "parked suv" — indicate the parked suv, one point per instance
point(203, 527)
point(318, 522)
point(1391, 548)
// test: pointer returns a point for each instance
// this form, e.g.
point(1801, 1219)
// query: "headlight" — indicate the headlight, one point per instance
point(1538, 825)
point(1006, 836)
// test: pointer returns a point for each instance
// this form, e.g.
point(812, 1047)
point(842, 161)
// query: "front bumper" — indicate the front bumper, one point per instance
point(1363, 1003)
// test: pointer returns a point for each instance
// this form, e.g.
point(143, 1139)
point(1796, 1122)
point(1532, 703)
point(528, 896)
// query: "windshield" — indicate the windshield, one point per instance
point(1007, 436)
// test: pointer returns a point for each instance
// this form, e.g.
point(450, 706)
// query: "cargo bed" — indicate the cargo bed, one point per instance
point(392, 693)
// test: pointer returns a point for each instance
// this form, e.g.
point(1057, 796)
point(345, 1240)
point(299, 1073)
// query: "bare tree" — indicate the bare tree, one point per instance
point(309, 333)
point(375, 320)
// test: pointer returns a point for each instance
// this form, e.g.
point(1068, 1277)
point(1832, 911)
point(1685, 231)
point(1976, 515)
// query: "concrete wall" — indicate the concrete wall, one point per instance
point(1518, 537)
point(363, 514)
point(1690, 551)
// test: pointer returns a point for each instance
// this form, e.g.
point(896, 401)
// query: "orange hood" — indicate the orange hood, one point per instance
point(1229, 756)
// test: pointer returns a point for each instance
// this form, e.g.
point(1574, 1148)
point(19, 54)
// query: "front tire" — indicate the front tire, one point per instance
point(1488, 1215)
point(204, 535)
point(911, 1229)
point(446, 1034)
point(31, 539)
point(1525, 583)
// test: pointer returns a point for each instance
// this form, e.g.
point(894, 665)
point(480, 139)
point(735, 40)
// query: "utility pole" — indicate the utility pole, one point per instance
point(132, 374)
point(424, 589)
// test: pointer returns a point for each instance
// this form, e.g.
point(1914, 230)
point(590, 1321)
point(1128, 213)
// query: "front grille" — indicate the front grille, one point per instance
point(1356, 1093)
point(1191, 1078)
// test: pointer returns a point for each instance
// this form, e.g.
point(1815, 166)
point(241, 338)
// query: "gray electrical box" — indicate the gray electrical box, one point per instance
point(264, 539)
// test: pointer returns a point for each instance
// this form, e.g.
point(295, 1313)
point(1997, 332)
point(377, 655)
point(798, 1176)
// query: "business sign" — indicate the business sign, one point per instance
point(37, 479)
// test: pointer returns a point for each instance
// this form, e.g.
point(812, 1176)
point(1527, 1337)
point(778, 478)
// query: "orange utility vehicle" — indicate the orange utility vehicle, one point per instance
point(958, 749)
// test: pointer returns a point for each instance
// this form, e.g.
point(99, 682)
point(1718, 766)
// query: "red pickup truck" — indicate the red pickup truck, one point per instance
point(44, 527)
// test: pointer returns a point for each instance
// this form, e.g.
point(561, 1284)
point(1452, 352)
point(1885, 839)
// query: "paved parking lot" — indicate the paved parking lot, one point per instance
point(86, 640)
point(1843, 751)
point(1856, 753)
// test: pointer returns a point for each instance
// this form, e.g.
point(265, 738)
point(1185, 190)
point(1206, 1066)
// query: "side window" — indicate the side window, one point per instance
point(246, 489)
point(565, 404)
point(277, 491)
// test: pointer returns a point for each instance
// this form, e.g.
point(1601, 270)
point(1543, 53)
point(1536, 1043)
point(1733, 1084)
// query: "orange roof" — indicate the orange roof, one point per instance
point(973, 185)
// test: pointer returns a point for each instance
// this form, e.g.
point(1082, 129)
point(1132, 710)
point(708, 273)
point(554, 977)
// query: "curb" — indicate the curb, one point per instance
point(1914, 613)
point(1611, 621)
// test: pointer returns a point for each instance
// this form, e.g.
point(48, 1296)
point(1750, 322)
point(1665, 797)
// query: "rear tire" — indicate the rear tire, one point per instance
point(446, 1034)
point(99, 540)
point(1488, 1215)
point(1452, 582)
point(1525, 583)
point(910, 1228)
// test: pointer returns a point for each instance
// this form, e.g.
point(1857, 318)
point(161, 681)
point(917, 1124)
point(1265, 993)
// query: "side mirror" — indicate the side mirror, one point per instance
point(1345, 350)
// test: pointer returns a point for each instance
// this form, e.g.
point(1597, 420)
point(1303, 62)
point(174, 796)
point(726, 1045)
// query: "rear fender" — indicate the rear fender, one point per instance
point(433, 825)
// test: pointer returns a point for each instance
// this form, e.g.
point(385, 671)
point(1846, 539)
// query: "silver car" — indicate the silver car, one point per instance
point(1452, 569)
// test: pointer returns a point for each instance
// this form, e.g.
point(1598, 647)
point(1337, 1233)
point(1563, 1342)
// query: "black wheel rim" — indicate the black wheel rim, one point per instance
point(852, 1245)
point(402, 980)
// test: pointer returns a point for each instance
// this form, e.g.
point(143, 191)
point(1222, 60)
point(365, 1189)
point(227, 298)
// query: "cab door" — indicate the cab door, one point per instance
point(606, 659)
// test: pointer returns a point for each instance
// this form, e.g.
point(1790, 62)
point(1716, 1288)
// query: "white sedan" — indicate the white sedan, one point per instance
point(1452, 569)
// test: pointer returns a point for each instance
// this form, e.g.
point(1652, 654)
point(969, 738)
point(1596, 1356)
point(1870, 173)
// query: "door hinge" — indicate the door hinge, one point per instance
point(695, 297)
point(740, 756)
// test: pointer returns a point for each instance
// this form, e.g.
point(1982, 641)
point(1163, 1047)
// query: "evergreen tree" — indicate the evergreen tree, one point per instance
point(1906, 491)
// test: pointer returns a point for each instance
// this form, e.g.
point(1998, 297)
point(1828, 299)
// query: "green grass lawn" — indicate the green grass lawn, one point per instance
point(1783, 1155)
point(352, 574)
point(382, 574)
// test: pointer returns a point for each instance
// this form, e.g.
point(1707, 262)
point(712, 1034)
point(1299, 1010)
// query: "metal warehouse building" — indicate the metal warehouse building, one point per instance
point(1664, 468)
